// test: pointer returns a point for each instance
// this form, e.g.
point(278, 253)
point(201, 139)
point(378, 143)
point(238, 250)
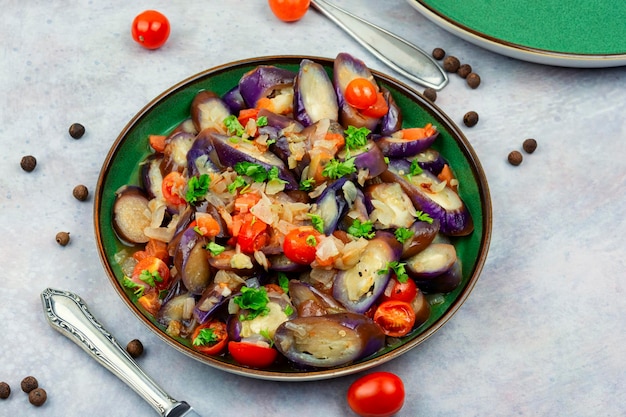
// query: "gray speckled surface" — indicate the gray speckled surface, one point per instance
point(543, 332)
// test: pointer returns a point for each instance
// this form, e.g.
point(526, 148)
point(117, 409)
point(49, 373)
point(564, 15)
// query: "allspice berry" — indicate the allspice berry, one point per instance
point(529, 145)
point(37, 397)
point(515, 158)
point(473, 80)
point(451, 64)
point(77, 130)
point(80, 192)
point(29, 383)
point(431, 94)
point(63, 238)
point(5, 390)
point(134, 348)
point(28, 163)
point(438, 53)
point(464, 70)
point(470, 119)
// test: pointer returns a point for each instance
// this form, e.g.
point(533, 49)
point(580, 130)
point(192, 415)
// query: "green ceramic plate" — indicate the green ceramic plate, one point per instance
point(581, 33)
point(172, 107)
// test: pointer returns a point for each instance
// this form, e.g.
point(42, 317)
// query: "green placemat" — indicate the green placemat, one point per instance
point(593, 27)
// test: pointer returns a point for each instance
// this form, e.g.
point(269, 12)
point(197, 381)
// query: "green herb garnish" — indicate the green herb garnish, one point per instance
point(283, 282)
point(398, 268)
point(403, 234)
point(255, 171)
point(425, 217)
point(337, 169)
point(415, 168)
point(138, 289)
point(361, 229)
point(233, 126)
point(197, 187)
point(307, 184)
point(214, 248)
point(254, 300)
point(206, 337)
point(356, 137)
point(237, 183)
point(318, 222)
point(266, 334)
point(150, 278)
point(261, 121)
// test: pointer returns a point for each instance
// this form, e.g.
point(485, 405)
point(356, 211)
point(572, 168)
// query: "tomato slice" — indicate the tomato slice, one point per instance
point(210, 338)
point(252, 354)
point(173, 186)
point(361, 93)
point(378, 109)
point(379, 394)
point(300, 245)
point(253, 234)
point(396, 318)
point(151, 271)
point(401, 291)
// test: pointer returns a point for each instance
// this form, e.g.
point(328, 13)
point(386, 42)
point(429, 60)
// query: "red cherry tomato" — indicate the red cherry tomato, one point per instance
point(251, 354)
point(300, 245)
point(361, 93)
point(150, 29)
point(401, 291)
point(253, 234)
point(151, 271)
point(210, 338)
point(395, 318)
point(289, 10)
point(173, 187)
point(378, 109)
point(379, 394)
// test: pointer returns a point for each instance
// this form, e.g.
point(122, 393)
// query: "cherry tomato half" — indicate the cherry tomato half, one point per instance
point(361, 93)
point(173, 187)
point(253, 234)
point(251, 354)
point(289, 10)
point(150, 29)
point(300, 245)
point(379, 394)
point(210, 338)
point(151, 271)
point(401, 291)
point(378, 109)
point(395, 318)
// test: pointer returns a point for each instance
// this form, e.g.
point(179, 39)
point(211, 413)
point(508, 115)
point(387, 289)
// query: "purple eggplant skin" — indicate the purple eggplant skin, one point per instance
point(200, 157)
point(129, 218)
point(151, 176)
point(397, 147)
point(192, 262)
point(280, 263)
point(368, 157)
point(231, 152)
point(330, 340)
point(309, 301)
point(331, 205)
point(392, 121)
point(212, 299)
point(423, 235)
point(208, 110)
point(177, 145)
point(358, 288)
point(262, 81)
point(233, 99)
point(383, 198)
point(436, 259)
point(173, 309)
point(443, 283)
point(421, 307)
point(430, 160)
point(314, 95)
point(222, 262)
point(444, 205)
point(280, 122)
point(345, 69)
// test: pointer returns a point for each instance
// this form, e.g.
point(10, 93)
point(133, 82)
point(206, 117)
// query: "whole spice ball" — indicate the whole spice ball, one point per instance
point(28, 163)
point(29, 383)
point(5, 390)
point(529, 145)
point(63, 238)
point(464, 70)
point(37, 397)
point(470, 119)
point(77, 130)
point(430, 93)
point(473, 80)
point(134, 348)
point(451, 64)
point(438, 53)
point(515, 158)
point(80, 192)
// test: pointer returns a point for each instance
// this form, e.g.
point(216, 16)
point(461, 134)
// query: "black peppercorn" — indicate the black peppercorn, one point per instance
point(29, 383)
point(529, 145)
point(515, 158)
point(438, 53)
point(464, 70)
point(63, 238)
point(80, 192)
point(473, 80)
point(134, 348)
point(470, 119)
point(451, 64)
point(5, 390)
point(37, 397)
point(430, 93)
point(28, 163)
point(77, 130)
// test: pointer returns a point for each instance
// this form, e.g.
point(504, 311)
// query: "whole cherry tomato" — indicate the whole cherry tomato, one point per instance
point(395, 318)
point(289, 10)
point(361, 93)
point(379, 394)
point(252, 354)
point(402, 291)
point(150, 29)
point(300, 245)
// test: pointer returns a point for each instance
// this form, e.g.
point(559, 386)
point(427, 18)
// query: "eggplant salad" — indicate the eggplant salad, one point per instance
point(293, 219)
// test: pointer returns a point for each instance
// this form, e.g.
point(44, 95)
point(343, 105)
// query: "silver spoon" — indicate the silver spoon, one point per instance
point(399, 54)
point(67, 313)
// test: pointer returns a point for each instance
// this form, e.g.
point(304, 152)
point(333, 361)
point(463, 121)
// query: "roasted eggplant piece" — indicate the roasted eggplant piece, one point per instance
point(395, 146)
point(423, 234)
point(430, 160)
point(233, 99)
point(358, 288)
point(330, 340)
point(192, 262)
point(367, 158)
point(332, 205)
point(201, 156)
point(392, 121)
point(265, 81)
point(443, 283)
point(279, 310)
point(178, 308)
point(389, 206)
point(309, 301)
point(152, 177)
point(314, 96)
point(436, 259)
point(208, 111)
point(177, 145)
point(131, 214)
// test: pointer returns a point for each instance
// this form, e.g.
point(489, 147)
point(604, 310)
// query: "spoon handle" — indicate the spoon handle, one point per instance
point(68, 314)
point(399, 54)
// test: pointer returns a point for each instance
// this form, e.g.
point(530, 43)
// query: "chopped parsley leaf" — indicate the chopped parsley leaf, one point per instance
point(415, 168)
point(398, 268)
point(138, 289)
point(254, 301)
point(425, 217)
point(206, 337)
point(261, 121)
point(150, 278)
point(356, 137)
point(233, 126)
point(214, 248)
point(237, 183)
point(283, 282)
point(403, 234)
point(318, 222)
point(197, 187)
point(255, 171)
point(337, 169)
point(307, 184)
point(361, 229)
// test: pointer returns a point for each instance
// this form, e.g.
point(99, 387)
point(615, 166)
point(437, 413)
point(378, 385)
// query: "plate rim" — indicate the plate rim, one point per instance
point(318, 374)
point(514, 50)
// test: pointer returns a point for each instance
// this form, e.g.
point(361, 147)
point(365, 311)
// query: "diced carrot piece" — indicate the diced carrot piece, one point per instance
point(447, 176)
point(265, 103)
point(207, 225)
point(246, 114)
point(416, 133)
point(337, 138)
point(157, 142)
point(244, 202)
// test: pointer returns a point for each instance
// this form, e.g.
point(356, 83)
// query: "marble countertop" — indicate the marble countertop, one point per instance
point(544, 330)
